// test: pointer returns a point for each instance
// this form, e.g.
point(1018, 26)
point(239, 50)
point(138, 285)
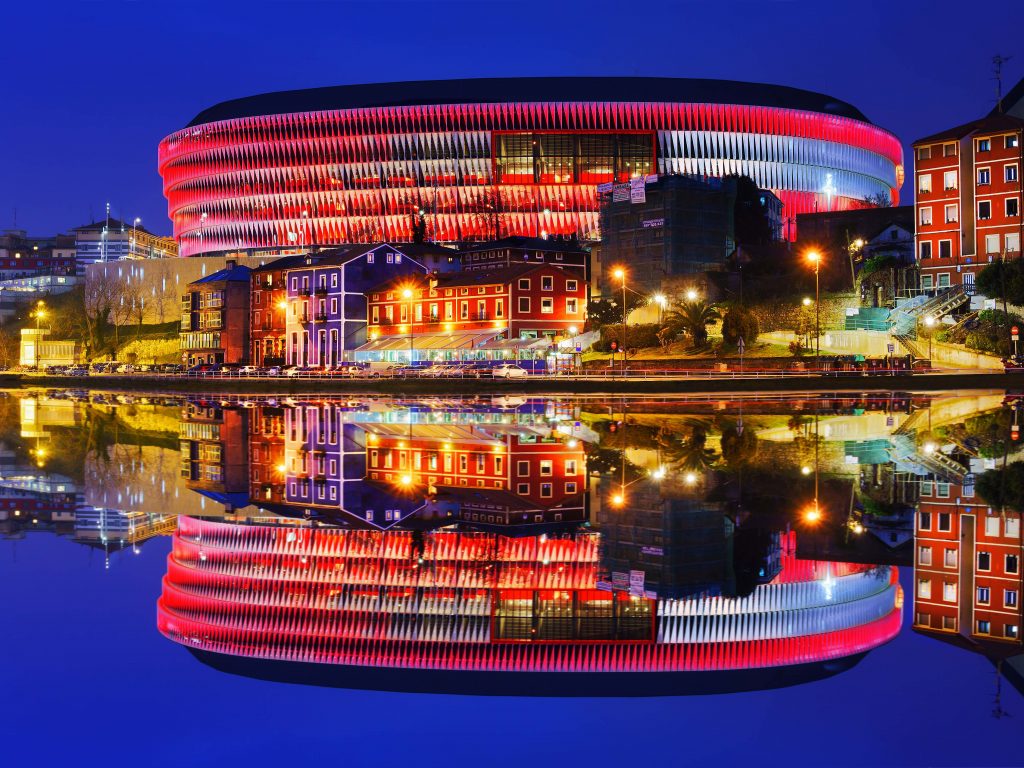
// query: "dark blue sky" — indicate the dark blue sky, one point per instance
point(89, 88)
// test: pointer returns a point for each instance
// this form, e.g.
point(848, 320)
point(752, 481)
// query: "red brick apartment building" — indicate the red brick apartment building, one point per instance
point(268, 305)
point(448, 314)
point(967, 567)
point(968, 189)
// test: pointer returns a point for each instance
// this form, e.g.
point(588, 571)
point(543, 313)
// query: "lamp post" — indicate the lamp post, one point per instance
point(135, 223)
point(407, 295)
point(929, 323)
point(815, 258)
point(620, 274)
point(40, 313)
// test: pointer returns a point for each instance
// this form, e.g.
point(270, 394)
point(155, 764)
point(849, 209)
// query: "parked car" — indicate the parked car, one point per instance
point(274, 370)
point(477, 371)
point(249, 370)
point(300, 370)
point(510, 372)
point(77, 370)
point(204, 368)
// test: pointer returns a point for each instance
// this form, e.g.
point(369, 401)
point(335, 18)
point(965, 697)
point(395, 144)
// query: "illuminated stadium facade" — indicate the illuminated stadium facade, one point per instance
point(490, 158)
point(463, 602)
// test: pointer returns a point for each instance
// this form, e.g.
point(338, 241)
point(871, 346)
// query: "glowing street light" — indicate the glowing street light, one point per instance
point(812, 515)
point(690, 478)
point(620, 275)
point(814, 258)
point(691, 295)
point(407, 295)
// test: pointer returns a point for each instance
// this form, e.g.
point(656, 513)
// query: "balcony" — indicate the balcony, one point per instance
point(305, 292)
point(321, 290)
point(320, 317)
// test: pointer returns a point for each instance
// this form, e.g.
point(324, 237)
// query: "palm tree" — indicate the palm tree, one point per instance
point(692, 318)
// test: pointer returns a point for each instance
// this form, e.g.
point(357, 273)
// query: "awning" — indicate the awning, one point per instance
point(515, 344)
point(431, 342)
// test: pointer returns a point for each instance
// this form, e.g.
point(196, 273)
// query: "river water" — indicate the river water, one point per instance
point(253, 580)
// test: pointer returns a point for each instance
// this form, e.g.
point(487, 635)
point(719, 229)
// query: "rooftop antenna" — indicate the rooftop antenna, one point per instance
point(997, 66)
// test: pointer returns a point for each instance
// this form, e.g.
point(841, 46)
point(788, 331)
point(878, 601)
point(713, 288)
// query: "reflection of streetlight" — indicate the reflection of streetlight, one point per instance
point(929, 323)
point(815, 258)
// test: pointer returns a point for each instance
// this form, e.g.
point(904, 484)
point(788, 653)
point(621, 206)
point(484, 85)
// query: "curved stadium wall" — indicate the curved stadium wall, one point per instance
point(264, 173)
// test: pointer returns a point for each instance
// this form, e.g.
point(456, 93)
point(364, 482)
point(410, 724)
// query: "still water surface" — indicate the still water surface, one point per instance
point(193, 581)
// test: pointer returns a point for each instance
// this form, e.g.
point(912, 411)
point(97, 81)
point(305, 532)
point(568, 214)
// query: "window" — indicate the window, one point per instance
point(1011, 631)
point(499, 308)
point(985, 210)
point(1010, 142)
point(1012, 563)
point(924, 589)
point(949, 180)
point(334, 279)
point(924, 555)
point(984, 145)
point(984, 595)
point(945, 249)
point(984, 561)
point(391, 258)
point(570, 286)
point(524, 304)
point(547, 283)
point(369, 258)
point(571, 306)
point(523, 468)
point(949, 150)
point(547, 305)
point(984, 176)
point(984, 627)
point(927, 282)
point(991, 526)
point(949, 592)
point(925, 250)
point(924, 153)
point(927, 488)
point(945, 519)
point(1012, 528)
point(951, 214)
point(1012, 242)
point(545, 490)
point(524, 284)
point(1012, 206)
point(1010, 173)
point(949, 558)
point(546, 468)
point(570, 488)
point(334, 306)
point(1010, 598)
point(375, 314)
point(991, 243)
point(522, 488)
point(925, 217)
point(924, 183)
point(464, 310)
point(924, 522)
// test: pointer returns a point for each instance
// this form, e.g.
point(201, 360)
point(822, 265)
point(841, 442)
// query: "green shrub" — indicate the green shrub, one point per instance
point(739, 322)
point(637, 336)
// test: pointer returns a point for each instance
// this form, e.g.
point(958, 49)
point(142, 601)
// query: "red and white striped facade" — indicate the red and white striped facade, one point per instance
point(483, 602)
point(360, 174)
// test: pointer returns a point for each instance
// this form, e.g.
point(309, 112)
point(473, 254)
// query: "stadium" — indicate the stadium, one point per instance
point(483, 159)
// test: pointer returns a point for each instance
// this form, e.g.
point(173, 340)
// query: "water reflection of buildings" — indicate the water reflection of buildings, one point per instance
point(318, 604)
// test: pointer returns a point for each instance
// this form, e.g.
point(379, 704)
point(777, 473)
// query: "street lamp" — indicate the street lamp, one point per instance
point(929, 323)
point(691, 295)
point(815, 259)
point(135, 224)
point(40, 313)
point(407, 295)
point(620, 274)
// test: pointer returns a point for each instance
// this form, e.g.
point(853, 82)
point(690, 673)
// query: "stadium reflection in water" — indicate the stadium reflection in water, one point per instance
point(507, 546)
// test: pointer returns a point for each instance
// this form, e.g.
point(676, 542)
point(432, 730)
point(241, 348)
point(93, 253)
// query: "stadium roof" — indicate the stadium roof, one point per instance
point(527, 89)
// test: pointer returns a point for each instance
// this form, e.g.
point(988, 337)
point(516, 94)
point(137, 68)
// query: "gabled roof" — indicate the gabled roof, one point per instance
point(528, 243)
point(474, 277)
point(111, 224)
point(991, 123)
point(1013, 101)
point(233, 274)
point(285, 262)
